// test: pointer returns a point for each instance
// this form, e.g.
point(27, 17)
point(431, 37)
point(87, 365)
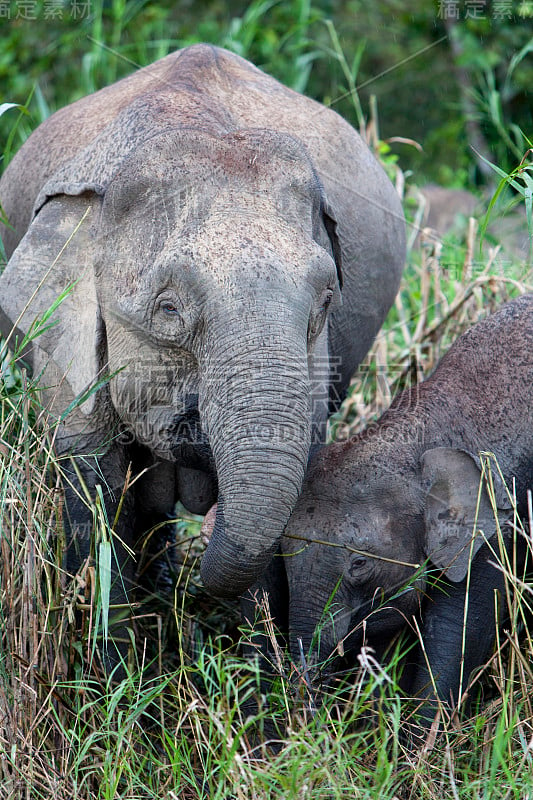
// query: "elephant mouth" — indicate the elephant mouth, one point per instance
point(177, 438)
point(190, 446)
point(335, 655)
point(194, 455)
point(367, 633)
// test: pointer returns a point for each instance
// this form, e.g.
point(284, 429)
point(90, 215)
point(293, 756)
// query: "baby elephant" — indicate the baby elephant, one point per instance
point(393, 524)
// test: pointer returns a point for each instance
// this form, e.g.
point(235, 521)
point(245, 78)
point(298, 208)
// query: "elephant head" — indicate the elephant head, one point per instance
point(201, 273)
point(373, 529)
point(205, 218)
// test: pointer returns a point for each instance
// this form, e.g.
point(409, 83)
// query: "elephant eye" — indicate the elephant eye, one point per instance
point(356, 571)
point(168, 308)
point(357, 563)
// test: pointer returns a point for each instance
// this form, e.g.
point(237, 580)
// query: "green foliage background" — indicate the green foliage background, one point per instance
point(397, 50)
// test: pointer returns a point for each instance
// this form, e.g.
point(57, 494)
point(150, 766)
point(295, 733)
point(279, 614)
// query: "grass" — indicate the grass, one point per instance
point(177, 725)
point(447, 286)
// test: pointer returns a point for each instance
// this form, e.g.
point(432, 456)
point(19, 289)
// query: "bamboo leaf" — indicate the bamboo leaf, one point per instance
point(104, 579)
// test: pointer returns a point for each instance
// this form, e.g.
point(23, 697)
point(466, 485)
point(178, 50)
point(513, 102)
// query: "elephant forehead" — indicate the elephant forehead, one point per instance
point(207, 228)
point(193, 164)
point(185, 204)
point(252, 238)
point(346, 514)
point(258, 156)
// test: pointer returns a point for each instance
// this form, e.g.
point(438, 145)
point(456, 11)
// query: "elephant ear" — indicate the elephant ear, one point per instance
point(56, 253)
point(330, 224)
point(452, 478)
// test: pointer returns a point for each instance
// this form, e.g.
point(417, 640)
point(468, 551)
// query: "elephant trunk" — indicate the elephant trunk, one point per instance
point(311, 633)
point(320, 621)
point(255, 408)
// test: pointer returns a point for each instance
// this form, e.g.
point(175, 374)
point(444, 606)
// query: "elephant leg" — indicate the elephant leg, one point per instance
point(457, 637)
point(88, 525)
point(154, 532)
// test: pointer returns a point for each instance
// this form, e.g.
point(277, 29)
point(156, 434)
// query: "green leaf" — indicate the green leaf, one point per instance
point(6, 106)
point(516, 59)
point(104, 580)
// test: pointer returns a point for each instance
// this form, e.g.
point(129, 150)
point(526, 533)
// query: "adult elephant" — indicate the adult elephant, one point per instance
point(207, 219)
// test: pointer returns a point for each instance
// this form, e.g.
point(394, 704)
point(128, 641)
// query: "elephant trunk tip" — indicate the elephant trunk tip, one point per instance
point(206, 531)
point(225, 577)
point(227, 569)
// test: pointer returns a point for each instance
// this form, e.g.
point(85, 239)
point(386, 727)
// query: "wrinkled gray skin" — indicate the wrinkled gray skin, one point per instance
point(209, 218)
point(406, 490)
